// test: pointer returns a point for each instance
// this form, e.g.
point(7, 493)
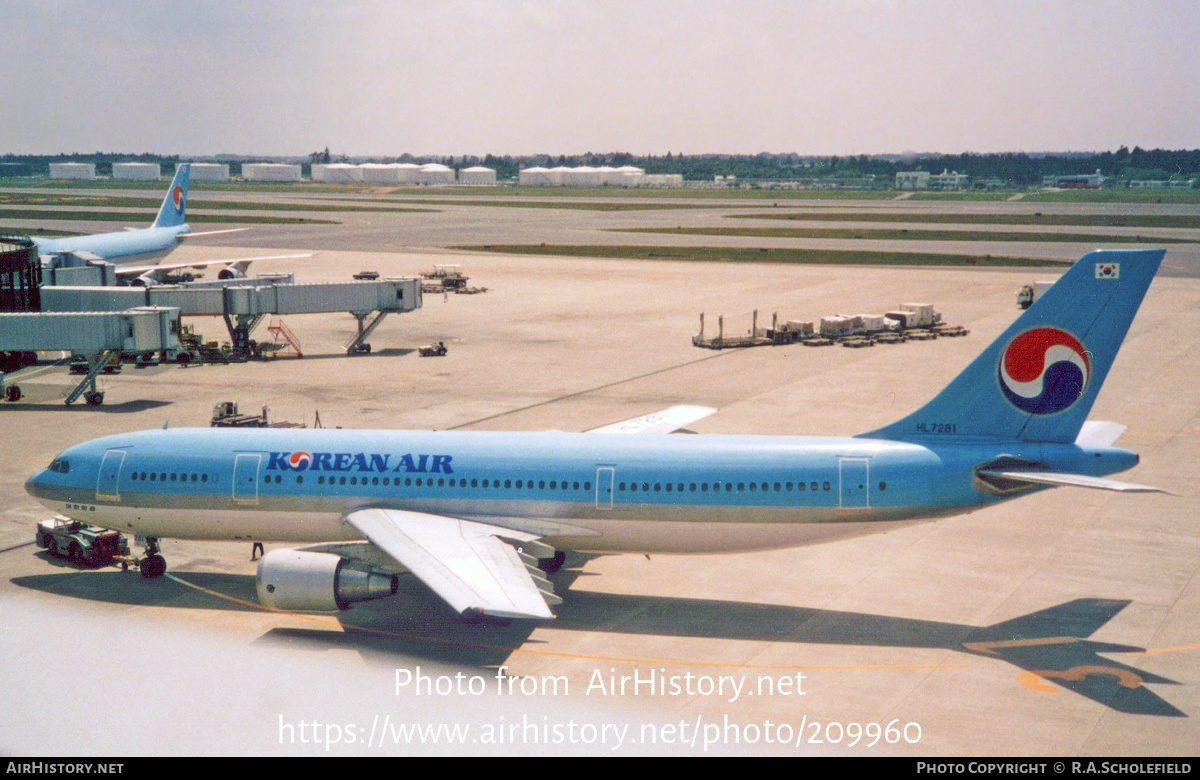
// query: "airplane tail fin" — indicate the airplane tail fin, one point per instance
point(1039, 379)
point(173, 211)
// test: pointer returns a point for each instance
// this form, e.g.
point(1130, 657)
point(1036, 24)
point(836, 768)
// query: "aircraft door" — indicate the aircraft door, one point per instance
point(604, 487)
point(108, 484)
point(855, 481)
point(245, 478)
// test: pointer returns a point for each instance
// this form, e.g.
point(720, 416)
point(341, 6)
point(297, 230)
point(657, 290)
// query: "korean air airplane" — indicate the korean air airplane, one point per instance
point(137, 253)
point(480, 516)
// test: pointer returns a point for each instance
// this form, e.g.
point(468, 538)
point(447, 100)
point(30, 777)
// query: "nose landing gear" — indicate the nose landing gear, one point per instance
point(153, 564)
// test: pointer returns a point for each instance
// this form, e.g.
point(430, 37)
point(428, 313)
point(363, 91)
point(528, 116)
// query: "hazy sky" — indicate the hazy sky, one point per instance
point(568, 76)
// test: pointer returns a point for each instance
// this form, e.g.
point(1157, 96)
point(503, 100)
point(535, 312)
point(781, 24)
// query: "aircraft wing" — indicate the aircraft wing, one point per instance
point(158, 271)
point(1072, 480)
point(191, 234)
point(466, 563)
point(665, 421)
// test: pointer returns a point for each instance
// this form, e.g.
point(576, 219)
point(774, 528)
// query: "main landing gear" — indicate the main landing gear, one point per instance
point(153, 564)
point(551, 565)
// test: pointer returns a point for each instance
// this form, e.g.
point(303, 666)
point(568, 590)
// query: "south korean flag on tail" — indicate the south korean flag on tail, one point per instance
point(1108, 270)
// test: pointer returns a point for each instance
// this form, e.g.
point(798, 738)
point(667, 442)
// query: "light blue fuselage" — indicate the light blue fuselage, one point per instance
point(588, 492)
point(130, 246)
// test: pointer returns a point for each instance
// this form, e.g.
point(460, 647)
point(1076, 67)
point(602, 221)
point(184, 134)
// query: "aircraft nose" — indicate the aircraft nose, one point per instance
point(33, 485)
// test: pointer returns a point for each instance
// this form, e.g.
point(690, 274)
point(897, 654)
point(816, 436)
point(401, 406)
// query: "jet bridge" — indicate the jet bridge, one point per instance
point(244, 302)
point(100, 336)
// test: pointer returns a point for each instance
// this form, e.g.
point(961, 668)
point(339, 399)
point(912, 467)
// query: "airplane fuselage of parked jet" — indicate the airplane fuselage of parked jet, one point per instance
point(143, 245)
point(580, 491)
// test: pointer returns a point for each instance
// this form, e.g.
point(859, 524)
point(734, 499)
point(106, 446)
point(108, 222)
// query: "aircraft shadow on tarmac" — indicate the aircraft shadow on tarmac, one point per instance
point(1051, 645)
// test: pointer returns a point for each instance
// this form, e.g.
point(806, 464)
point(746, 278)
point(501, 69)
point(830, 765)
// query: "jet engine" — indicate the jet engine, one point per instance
point(301, 581)
point(229, 272)
point(145, 280)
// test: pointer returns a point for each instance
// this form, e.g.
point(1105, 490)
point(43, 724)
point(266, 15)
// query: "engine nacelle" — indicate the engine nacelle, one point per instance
point(145, 280)
point(301, 581)
point(229, 272)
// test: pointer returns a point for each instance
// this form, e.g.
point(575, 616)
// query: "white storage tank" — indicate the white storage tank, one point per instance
point(210, 171)
point(339, 173)
point(407, 173)
point(375, 173)
point(609, 176)
point(435, 173)
point(585, 176)
point(630, 176)
point(389, 173)
point(477, 175)
point(536, 176)
point(271, 172)
point(72, 170)
point(136, 171)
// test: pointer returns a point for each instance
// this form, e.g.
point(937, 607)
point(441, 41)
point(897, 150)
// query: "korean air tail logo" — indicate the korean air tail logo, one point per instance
point(1044, 370)
point(177, 199)
point(299, 460)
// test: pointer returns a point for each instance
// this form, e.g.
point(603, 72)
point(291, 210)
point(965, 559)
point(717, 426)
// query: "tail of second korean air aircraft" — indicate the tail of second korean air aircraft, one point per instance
point(1038, 380)
point(173, 211)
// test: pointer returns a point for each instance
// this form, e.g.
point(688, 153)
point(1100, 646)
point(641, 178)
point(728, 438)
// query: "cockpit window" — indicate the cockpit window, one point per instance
point(60, 466)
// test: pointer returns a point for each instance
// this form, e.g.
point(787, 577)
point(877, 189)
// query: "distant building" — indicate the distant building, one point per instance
point(337, 173)
point(205, 171)
point(72, 170)
point(1167, 184)
point(477, 176)
point(270, 172)
point(604, 176)
point(1087, 181)
point(912, 180)
point(949, 181)
point(435, 173)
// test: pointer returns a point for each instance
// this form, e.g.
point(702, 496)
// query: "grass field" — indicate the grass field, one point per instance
point(1051, 220)
point(904, 234)
point(762, 255)
point(1116, 195)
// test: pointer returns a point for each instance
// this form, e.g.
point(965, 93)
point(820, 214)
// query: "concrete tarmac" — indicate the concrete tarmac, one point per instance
point(904, 640)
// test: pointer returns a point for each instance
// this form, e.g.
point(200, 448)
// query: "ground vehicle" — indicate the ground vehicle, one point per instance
point(1030, 293)
point(82, 543)
point(432, 350)
point(366, 276)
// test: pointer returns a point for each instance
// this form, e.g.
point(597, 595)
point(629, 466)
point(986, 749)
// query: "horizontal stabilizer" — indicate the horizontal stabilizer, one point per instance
point(665, 421)
point(1071, 480)
point(211, 232)
point(1095, 433)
